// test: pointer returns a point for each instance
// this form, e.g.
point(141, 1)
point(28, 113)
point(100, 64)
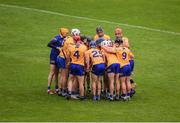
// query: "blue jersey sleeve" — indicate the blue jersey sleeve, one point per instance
point(60, 40)
point(55, 42)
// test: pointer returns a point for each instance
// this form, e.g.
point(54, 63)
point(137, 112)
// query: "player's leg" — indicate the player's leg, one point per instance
point(111, 85)
point(133, 87)
point(99, 79)
point(100, 70)
point(75, 89)
point(87, 81)
point(80, 77)
point(127, 73)
point(63, 81)
point(123, 87)
point(128, 87)
point(81, 86)
point(70, 84)
point(94, 89)
point(117, 86)
point(117, 75)
point(126, 70)
point(61, 63)
point(52, 72)
point(133, 84)
point(56, 79)
point(71, 79)
point(97, 73)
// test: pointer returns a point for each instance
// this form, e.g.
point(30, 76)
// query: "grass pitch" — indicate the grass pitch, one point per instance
point(24, 59)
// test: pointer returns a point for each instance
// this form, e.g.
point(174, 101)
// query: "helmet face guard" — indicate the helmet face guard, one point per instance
point(75, 32)
point(76, 38)
point(106, 43)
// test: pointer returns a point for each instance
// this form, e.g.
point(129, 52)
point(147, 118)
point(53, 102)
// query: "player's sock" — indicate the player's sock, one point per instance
point(117, 97)
point(111, 97)
point(64, 93)
point(69, 94)
point(132, 92)
point(128, 94)
point(123, 97)
point(98, 97)
point(56, 87)
point(94, 98)
point(82, 98)
point(49, 87)
point(60, 92)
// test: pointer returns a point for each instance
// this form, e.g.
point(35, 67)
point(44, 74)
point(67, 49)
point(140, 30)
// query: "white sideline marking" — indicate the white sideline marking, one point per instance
point(90, 19)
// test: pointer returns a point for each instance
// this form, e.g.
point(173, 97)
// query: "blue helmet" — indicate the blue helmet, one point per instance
point(92, 44)
point(99, 40)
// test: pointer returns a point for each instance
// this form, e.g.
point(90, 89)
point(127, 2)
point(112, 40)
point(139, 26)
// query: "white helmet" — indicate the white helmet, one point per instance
point(106, 43)
point(75, 32)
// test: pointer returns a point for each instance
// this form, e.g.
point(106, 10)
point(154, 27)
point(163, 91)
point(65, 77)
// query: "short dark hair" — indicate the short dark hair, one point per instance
point(88, 38)
point(99, 29)
point(119, 40)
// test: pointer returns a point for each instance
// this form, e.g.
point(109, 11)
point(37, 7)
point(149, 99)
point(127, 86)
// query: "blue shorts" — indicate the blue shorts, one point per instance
point(61, 62)
point(114, 68)
point(53, 57)
point(131, 65)
point(126, 70)
point(77, 70)
point(98, 69)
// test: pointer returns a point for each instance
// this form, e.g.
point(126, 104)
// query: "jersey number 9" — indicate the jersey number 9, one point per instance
point(124, 55)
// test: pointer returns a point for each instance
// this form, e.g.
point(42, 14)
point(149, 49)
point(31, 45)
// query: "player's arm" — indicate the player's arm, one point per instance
point(125, 42)
point(109, 49)
point(52, 43)
point(131, 55)
point(68, 57)
point(104, 57)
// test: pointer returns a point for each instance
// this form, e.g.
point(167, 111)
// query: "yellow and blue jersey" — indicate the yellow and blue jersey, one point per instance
point(65, 45)
point(105, 37)
point(95, 55)
point(123, 55)
point(77, 54)
point(111, 58)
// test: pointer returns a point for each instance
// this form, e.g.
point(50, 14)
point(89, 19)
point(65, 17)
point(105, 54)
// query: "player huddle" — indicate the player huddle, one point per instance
point(100, 65)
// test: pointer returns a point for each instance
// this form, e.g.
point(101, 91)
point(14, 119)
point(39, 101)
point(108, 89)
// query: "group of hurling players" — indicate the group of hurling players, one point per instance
point(81, 65)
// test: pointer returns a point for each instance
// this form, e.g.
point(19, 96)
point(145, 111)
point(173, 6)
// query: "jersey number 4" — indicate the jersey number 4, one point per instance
point(76, 54)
